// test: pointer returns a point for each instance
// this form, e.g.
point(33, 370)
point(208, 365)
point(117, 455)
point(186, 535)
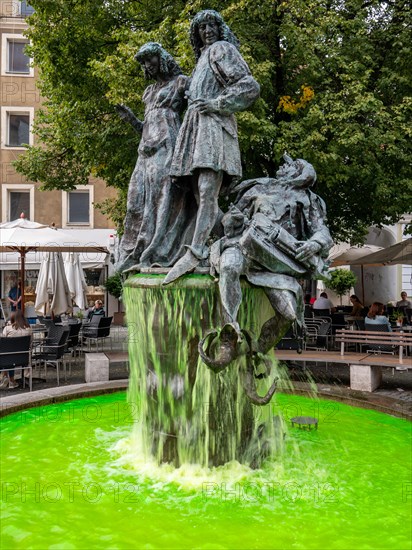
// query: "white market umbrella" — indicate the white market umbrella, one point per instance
point(75, 278)
point(25, 236)
point(52, 289)
point(399, 253)
point(344, 254)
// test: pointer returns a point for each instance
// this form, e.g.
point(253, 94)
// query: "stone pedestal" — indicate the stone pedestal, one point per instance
point(365, 378)
point(189, 414)
point(96, 367)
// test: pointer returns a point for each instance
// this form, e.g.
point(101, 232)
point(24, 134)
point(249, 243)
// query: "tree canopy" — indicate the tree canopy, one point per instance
point(335, 80)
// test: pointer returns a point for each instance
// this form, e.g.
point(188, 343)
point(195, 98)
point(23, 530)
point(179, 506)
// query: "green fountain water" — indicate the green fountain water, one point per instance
point(70, 480)
point(174, 464)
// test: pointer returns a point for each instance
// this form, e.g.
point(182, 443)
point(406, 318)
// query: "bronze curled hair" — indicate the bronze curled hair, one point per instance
point(224, 31)
point(168, 67)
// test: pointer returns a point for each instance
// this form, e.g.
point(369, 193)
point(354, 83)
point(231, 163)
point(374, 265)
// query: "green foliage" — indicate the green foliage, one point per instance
point(396, 315)
point(351, 55)
point(114, 285)
point(115, 209)
point(341, 281)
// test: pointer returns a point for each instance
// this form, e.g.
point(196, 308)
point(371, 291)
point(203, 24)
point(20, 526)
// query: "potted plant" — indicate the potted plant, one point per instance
point(114, 286)
point(341, 281)
point(397, 317)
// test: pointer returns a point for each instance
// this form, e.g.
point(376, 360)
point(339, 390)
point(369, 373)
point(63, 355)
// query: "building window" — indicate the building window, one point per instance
point(79, 207)
point(16, 126)
point(19, 202)
point(17, 60)
point(19, 130)
point(14, 60)
point(17, 8)
point(17, 198)
point(25, 8)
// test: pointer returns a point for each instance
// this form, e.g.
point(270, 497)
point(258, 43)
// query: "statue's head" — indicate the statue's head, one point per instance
point(298, 173)
point(209, 16)
point(166, 66)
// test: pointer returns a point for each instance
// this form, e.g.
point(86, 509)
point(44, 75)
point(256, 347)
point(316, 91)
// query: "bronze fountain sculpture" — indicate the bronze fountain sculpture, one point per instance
point(273, 235)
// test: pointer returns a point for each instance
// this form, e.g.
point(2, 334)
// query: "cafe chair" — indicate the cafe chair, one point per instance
point(308, 311)
point(97, 330)
point(290, 341)
point(360, 324)
point(15, 354)
point(73, 343)
point(319, 329)
point(52, 350)
point(379, 348)
point(321, 312)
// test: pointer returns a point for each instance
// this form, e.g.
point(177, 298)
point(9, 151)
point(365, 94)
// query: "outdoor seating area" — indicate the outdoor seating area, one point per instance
point(366, 352)
point(57, 351)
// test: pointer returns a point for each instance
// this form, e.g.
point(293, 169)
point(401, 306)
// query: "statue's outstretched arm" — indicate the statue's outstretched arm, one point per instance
point(127, 114)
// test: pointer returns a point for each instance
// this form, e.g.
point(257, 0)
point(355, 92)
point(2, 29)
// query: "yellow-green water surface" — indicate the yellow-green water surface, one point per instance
point(67, 482)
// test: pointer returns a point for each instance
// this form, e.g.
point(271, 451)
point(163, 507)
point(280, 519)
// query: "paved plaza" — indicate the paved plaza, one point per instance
point(394, 394)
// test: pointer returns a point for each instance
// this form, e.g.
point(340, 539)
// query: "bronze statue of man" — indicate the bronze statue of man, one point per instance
point(275, 234)
point(207, 148)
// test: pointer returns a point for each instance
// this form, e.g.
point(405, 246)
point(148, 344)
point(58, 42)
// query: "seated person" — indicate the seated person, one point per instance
point(97, 310)
point(357, 306)
point(323, 302)
point(17, 326)
point(404, 302)
point(376, 317)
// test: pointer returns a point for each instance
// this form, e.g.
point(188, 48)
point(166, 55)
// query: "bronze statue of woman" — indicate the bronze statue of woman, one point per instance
point(158, 220)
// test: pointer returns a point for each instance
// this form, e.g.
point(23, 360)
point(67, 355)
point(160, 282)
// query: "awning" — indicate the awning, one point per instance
point(100, 237)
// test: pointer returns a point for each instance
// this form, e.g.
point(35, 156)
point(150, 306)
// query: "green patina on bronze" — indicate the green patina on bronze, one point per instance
point(188, 413)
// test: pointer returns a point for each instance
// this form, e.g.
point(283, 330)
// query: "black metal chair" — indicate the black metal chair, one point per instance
point(321, 312)
point(360, 324)
point(73, 341)
point(74, 331)
point(338, 321)
point(15, 354)
point(290, 341)
point(52, 350)
point(379, 348)
point(308, 311)
point(97, 329)
point(319, 332)
point(48, 323)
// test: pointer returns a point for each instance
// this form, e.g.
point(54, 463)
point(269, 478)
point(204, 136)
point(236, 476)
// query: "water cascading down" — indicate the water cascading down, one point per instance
point(189, 414)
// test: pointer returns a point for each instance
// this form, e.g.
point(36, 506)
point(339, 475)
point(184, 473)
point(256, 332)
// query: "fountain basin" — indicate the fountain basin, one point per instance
point(70, 479)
